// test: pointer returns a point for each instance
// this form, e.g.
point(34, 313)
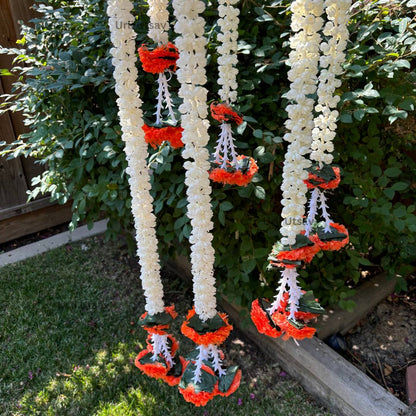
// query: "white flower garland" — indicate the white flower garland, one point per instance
point(191, 74)
point(131, 121)
point(333, 56)
point(303, 59)
point(228, 23)
point(159, 21)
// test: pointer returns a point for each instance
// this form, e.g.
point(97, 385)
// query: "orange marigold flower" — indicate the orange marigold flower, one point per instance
point(290, 331)
point(285, 265)
point(305, 254)
point(160, 329)
point(198, 399)
point(315, 181)
point(215, 337)
point(261, 319)
point(234, 386)
point(159, 59)
point(224, 113)
point(153, 369)
point(235, 177)
point(155, 136)
point(334, 245)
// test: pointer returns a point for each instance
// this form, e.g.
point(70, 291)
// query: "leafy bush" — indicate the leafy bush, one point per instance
point(68, 99)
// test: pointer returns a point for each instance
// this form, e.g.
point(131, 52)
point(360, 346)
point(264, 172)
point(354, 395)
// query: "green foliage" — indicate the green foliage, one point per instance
point(69, 102)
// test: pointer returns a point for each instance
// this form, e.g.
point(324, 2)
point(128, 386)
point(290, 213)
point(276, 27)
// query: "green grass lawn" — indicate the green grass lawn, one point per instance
point(68, 339)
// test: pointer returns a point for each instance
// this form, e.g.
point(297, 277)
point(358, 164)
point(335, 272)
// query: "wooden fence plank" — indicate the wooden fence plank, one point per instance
point(32, 222)
point(13, 185)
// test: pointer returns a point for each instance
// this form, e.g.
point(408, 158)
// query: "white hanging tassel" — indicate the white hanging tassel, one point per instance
point(225, 145)
point(168, 99)
point(282, 290)
point(313, 208)
point(295, 292)
point(325, 213)
point(160, 346)
point(163, 97)
point(216, 359)
point(204, 353)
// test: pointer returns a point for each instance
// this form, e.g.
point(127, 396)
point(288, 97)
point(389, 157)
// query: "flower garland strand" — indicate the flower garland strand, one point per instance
point(161, 61)
point(131, 121)
point(227, 166)
point(292, 308)
point(204, 377)
point(322, 175)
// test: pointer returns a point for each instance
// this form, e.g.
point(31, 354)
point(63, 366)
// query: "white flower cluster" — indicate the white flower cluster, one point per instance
point(191, 74)
point(333, 56)
point(228, 22)
point(159, 21)
point(131, 121)
point(303, 60)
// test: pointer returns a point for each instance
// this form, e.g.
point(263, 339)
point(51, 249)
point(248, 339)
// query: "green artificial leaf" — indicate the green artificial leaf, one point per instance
point(176, 369)
point(207, 383)
point(308, 303)
point(148, 359)
point(265, 305)
point(326, 173)
point(227, 379)
point(333, 235)
point(210, 325)
point(162, 318)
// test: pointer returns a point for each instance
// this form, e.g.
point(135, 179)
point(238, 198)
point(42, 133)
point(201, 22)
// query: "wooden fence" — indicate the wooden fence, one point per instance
point(17, 217)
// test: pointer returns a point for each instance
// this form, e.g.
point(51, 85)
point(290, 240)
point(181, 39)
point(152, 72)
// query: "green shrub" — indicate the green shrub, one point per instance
point(68, 99)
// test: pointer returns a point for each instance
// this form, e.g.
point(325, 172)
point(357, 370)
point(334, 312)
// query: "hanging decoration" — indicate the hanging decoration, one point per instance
point(322, 175)
point(292, 308)
point(158, 360)
point(227, 167)
point(204, 376)
point(162, 61)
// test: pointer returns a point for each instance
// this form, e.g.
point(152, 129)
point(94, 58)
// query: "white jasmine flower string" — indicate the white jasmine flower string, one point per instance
point(303, 60)
point(191, 74)
point(159, 21)
point(131, 122)
point(333, 55)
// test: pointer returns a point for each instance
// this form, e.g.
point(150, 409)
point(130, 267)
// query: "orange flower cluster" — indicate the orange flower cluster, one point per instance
point(224, 113)
point(315, 181)
point(160, 329)
point(200, 395)
point(155, 136)
point(215, 337)
point(159, 59)
point(160, 368)
point(234, 177)
point(332, 245)
point(278, 324)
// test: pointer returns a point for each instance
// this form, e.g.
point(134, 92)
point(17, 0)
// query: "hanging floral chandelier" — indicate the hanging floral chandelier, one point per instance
point(292, 309)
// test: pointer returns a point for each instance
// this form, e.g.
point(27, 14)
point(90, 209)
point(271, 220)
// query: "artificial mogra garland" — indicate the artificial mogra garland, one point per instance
point(287, 315)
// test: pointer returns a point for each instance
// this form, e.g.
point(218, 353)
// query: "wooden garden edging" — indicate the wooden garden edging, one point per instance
point(331, 379)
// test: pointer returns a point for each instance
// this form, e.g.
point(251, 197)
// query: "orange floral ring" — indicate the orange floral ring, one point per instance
point(263, 322)
point(224, 113)
point(333, 245)
point(305, 254)
point(153, 369)
point(315, 181)
point(236, 177)
point(290, 331)
point(155, 136)
point(206, 337)
point(169, 314)
point(159, 59)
